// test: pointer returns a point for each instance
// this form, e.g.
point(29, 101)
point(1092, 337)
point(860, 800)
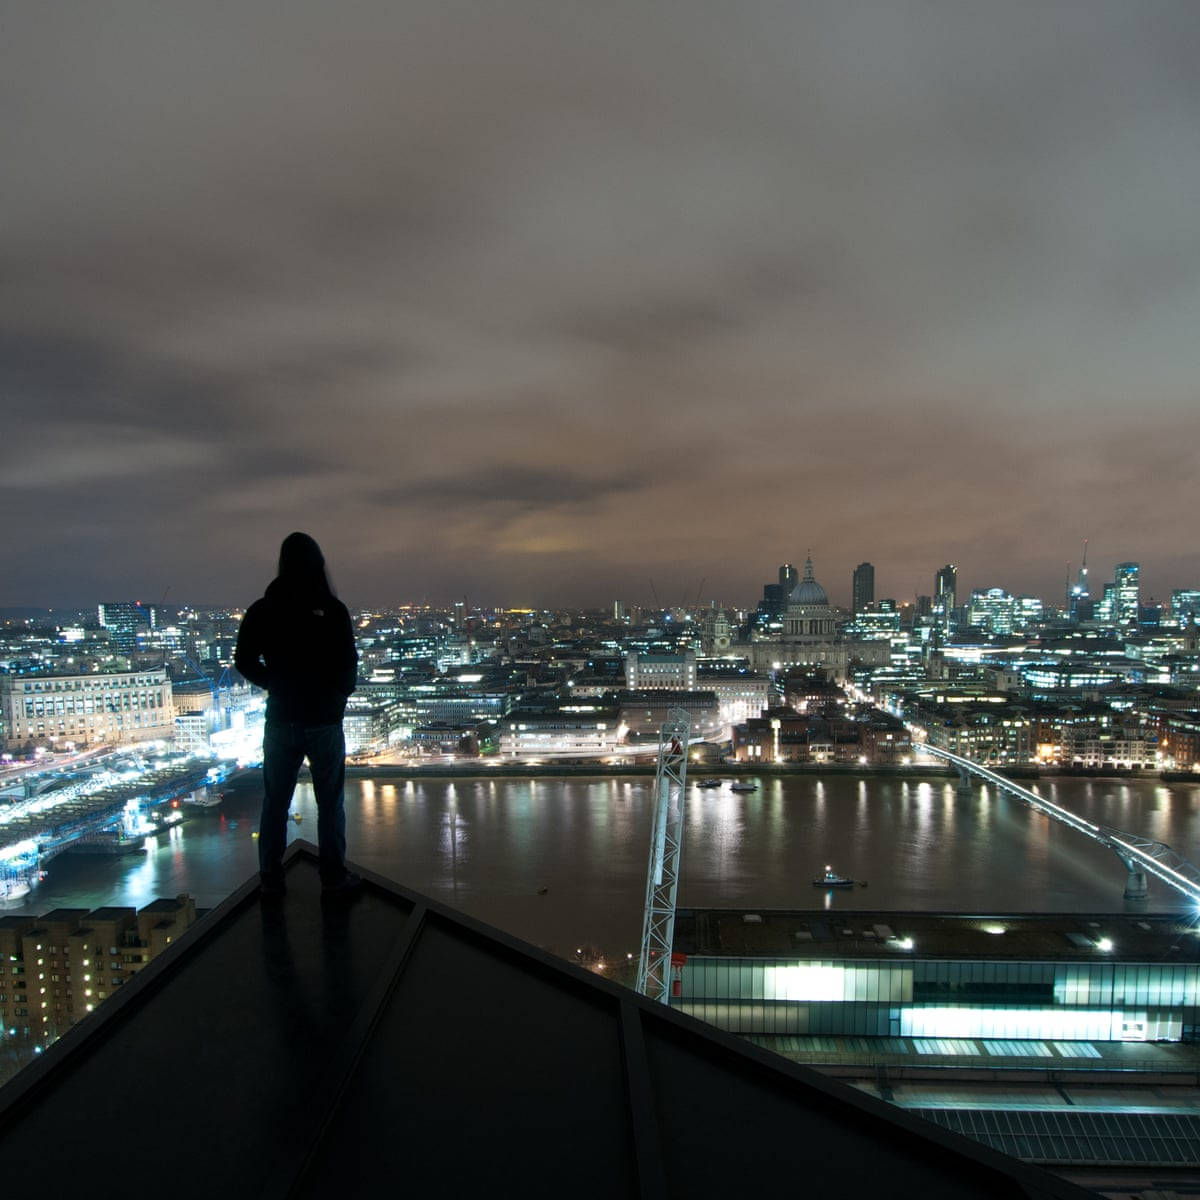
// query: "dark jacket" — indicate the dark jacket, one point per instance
point(301, 649)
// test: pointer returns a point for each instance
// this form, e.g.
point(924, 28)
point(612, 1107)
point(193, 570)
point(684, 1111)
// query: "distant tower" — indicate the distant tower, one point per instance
point(123, 620)
point(862, 593)
point(1080, 597)
point(1128, 592)
point(716, 631)
point(945, 592)
point(788, 578)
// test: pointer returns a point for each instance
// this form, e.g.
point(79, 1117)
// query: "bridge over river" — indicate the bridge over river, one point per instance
point(1139, 856)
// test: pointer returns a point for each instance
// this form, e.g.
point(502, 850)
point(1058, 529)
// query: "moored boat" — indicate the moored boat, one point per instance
point(832, 879)
point(743, 787)
point(12, 890)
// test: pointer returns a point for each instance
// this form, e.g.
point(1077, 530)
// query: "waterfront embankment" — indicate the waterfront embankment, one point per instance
point(493, 769)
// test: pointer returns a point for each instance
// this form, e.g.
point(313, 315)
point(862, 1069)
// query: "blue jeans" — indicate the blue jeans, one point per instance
point(285, 746)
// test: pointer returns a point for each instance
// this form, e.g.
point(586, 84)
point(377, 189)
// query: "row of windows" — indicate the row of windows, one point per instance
point(89, 704)
point(883, 1020)
point(85, 725)
point(100, 681)
point(1064, 984)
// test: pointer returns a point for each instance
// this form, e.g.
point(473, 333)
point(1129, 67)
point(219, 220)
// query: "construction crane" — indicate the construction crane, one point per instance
point(666, 844)
point(219, 718)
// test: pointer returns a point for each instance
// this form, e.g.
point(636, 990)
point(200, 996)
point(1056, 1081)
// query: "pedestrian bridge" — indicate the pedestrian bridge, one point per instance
point(1139, 856)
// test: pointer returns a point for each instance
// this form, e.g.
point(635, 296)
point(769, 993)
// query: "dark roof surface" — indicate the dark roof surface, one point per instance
point(111, 912)
point(1049, 937)
point(390, 1045)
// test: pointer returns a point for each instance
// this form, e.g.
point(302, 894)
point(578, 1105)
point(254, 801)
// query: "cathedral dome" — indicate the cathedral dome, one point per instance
point(808, 590)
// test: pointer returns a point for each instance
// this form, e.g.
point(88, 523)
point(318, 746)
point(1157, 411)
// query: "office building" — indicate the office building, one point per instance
point(123, 621)
point(585, 732)
point(1185, 605)
point(1127, 592)
point(676, 672)
point(862, 593)
point(945, 593)
point(993, 610)
point(1027, 611)
point(1030, 978)
point(111, 707)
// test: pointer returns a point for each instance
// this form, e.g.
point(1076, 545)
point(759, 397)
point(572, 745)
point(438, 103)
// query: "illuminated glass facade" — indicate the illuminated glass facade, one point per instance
point(945, 594)
point(1128, 592)
point(993, 610)
point(1101, 1001)
point(1185, 605)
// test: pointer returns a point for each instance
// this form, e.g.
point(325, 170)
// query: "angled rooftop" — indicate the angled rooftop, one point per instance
point(392, 1045)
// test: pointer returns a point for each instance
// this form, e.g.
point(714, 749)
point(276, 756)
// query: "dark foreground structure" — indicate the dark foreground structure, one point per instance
point(393, 1046)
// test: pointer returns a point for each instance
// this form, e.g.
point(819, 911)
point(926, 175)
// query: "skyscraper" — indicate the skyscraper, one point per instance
point(123, 620)
point(992, 610)
point(862, 591)
point(1127, 591)
point(1079, 597)
point(945, 592)
point(788, 578)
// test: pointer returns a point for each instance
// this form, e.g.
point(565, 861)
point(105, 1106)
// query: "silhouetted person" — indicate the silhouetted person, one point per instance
point(297, 642)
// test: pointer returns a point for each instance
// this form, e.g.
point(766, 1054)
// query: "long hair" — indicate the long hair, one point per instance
point(302, 566)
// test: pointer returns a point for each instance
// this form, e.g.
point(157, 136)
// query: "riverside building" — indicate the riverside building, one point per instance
point(58, 967)
point(57, 710)
point(1035, 981)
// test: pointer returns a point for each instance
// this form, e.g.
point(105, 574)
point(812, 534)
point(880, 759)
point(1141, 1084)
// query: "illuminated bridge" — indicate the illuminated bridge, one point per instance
point(1139, 856)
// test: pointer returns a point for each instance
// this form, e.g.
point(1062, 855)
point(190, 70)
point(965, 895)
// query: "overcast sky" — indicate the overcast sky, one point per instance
point(538, 303)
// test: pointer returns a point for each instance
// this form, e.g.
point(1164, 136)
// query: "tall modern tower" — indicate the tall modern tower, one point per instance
point(945, 593)
point(123, 620)
point(1079, 597)
point(788, 578)
point(1127, 591)
point(863, 589)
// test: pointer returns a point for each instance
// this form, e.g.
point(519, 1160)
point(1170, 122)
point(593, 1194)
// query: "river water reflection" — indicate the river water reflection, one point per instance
point(489, 846)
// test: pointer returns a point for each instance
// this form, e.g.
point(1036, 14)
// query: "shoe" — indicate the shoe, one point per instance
point(348, 884)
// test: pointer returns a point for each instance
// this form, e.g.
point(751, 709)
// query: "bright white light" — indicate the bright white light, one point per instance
point(1066, 1024)
point(806, 982)
point(1104, 944)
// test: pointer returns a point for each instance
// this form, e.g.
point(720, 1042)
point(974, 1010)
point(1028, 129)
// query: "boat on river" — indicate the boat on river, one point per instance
point(743, 787)
point(708, 783)
point(832, 879)
point(12, 890)
point(206, 797)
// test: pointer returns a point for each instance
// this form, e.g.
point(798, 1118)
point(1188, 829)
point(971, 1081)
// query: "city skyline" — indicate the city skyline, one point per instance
point(840, 592)
point(560, 307)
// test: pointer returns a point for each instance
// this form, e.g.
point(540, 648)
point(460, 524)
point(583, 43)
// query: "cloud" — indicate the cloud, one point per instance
point(536, 283)
point(533, 486)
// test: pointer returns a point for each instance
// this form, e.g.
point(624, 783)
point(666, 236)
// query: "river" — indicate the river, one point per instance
point(490, 847)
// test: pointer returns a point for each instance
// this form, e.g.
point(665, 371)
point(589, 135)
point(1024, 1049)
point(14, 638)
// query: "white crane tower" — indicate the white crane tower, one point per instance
point(666, 842)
